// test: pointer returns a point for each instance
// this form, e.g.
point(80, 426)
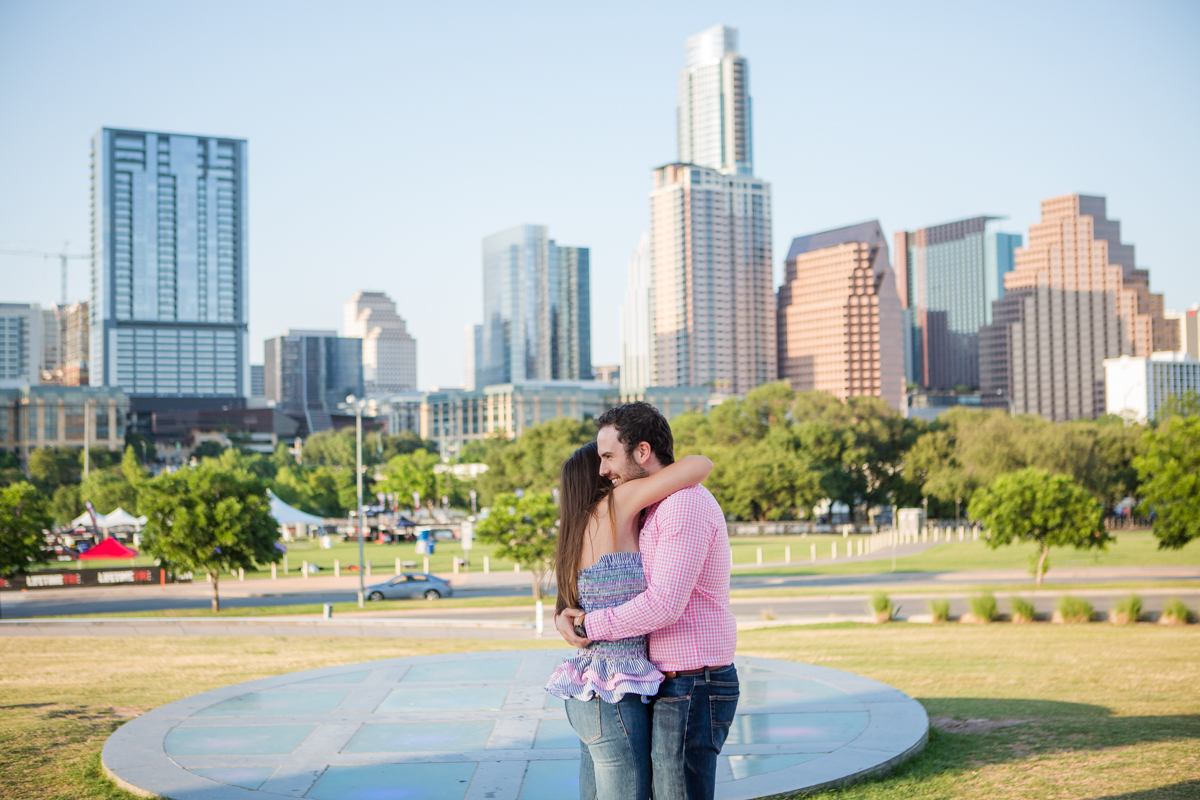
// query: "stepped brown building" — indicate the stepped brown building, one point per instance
point(839, 319)
point(1073, 299)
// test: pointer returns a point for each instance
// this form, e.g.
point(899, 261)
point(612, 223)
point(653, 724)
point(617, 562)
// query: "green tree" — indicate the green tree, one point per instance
point(108, 489)
point(405, 474)
point(533, 460)
point(65, 505)
point(10, 469)
point(1031, 505)
point(1170, 475)
point(23, 517)
point(132, 469)
point(524, 531)
point(209, 448)
point(210, 519)
point(52, 467)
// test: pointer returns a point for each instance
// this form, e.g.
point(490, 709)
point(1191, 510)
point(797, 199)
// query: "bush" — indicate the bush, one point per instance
point(983, 607)
point(1175, 613)
point(1022, 610)
point(1127, 610)
point(1073, 609)
point(940, 609)
point(882, 607)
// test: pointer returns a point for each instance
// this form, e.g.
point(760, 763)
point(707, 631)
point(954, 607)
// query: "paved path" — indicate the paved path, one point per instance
point(518, 622)
point(470, 726)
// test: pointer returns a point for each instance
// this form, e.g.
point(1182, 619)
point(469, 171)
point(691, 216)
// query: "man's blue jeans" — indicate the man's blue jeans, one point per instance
point(691, 718)
point(614, 749)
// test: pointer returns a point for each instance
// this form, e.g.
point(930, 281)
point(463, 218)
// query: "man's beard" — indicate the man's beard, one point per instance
point(632, 472)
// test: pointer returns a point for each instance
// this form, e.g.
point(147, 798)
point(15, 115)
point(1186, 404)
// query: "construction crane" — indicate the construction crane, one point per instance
point(64, 255)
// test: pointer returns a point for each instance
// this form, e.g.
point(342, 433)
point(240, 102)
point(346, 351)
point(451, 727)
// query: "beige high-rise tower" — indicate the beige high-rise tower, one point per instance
point(710, 292)
point(389, 353)
point(1073, 299)
point(840, 322)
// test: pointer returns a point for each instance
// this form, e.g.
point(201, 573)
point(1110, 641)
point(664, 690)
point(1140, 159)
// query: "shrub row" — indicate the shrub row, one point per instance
point(1070, 610)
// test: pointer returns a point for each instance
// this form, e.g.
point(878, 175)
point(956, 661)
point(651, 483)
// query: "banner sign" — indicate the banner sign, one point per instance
point(71, 578)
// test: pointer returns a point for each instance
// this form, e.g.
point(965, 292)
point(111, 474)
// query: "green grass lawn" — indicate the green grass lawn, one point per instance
point(1106, 711)
point(1129, 550)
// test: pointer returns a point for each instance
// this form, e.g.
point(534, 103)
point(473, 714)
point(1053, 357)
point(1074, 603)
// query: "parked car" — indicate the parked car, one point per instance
point(410, 585)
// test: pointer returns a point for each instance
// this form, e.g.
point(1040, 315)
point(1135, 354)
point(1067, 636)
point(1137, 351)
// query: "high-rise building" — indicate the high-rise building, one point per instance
point(169, 303)
point(1136, 387)
point(389, 353)
point(257, 389)
point(714, 104)
point(948, 276)
point(710, 299)
point(22, 326)
point(308, 373)
point(75, 351)
point(1073, 299)
point(473, 344)
point(536, 309)
point(840, 321)
point(1188, 334)
point(636, 358)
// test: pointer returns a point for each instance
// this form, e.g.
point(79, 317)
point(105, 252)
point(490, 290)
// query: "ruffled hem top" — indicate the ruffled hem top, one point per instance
point(610, 670)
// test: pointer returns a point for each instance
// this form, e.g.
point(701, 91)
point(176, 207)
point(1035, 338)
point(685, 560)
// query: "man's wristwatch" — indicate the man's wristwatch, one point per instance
point(579, 630)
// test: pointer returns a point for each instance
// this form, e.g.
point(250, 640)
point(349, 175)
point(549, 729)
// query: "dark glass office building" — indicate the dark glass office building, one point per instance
point(948, 277)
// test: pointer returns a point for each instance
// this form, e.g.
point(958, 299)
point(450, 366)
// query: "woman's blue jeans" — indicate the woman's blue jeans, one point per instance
point(614, 749)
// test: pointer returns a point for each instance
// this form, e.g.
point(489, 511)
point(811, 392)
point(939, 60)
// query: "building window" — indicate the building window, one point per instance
point(50, 421)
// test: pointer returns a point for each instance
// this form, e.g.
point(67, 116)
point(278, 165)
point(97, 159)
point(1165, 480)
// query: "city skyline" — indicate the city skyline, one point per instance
point(348, 209)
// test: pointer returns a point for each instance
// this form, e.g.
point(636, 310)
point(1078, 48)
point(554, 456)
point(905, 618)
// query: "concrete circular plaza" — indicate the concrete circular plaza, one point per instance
point(479, 725)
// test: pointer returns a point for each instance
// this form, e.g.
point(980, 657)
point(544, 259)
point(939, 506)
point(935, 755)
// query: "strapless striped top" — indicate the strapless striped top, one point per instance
point(609, 669)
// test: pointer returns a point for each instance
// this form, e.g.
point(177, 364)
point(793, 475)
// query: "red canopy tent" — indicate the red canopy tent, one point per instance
point(108, 550)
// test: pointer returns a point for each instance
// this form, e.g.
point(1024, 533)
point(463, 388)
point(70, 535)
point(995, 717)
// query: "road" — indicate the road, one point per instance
point(298, 591)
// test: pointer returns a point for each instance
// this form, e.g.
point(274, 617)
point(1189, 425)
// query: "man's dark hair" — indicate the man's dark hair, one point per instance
point(641, 422)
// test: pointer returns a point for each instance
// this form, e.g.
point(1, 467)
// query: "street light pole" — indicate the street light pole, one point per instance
point(361, 529)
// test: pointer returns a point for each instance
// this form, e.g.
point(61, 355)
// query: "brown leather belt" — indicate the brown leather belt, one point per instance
point(699, 671)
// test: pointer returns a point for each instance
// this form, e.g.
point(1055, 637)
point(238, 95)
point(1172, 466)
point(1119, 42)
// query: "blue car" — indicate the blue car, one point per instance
point(410, 585)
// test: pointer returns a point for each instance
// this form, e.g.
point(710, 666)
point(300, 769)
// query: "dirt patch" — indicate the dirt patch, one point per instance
point(951, 725)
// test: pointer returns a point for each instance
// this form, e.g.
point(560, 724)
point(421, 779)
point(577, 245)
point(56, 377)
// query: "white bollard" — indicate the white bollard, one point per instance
point(516, 567)
point(304, 570)
point(241, 574)
point(285, 569)
point(367, 574)
point(487, 565)
point(337, 568)
point(539, 621)
point(208, 577)
point(787, 554)
point(455, 566)
point(834, 556)
point(759, 555)
point(814, 552)
point(860, 547)
point(397, 566)
point(426, 570)
point(274, 574)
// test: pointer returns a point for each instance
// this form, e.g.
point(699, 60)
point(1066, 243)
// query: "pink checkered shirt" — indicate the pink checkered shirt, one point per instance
point(685, 608)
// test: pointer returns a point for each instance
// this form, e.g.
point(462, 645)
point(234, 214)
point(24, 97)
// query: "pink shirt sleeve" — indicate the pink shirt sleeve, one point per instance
point(683, 544)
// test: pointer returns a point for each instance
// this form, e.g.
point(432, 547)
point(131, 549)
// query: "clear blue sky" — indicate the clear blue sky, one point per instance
point(387, 139)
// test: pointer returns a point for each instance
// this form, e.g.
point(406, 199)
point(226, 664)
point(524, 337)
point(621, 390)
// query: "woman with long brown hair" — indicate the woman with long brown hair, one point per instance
point(607, 686)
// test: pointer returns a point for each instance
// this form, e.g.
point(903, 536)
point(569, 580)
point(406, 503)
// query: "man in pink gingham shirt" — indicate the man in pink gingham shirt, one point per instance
point(684, 611)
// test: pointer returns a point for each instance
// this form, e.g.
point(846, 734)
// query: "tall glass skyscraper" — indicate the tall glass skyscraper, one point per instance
point(169, 308)
point(710, 297)
point(714, 104)
point(948, 276)
point(536, 309)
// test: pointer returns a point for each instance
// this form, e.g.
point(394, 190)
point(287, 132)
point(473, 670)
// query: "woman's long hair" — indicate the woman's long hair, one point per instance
point(581, 487)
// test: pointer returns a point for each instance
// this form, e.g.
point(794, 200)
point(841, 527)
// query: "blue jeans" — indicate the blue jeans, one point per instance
point(691, 718)
point(614, 747)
